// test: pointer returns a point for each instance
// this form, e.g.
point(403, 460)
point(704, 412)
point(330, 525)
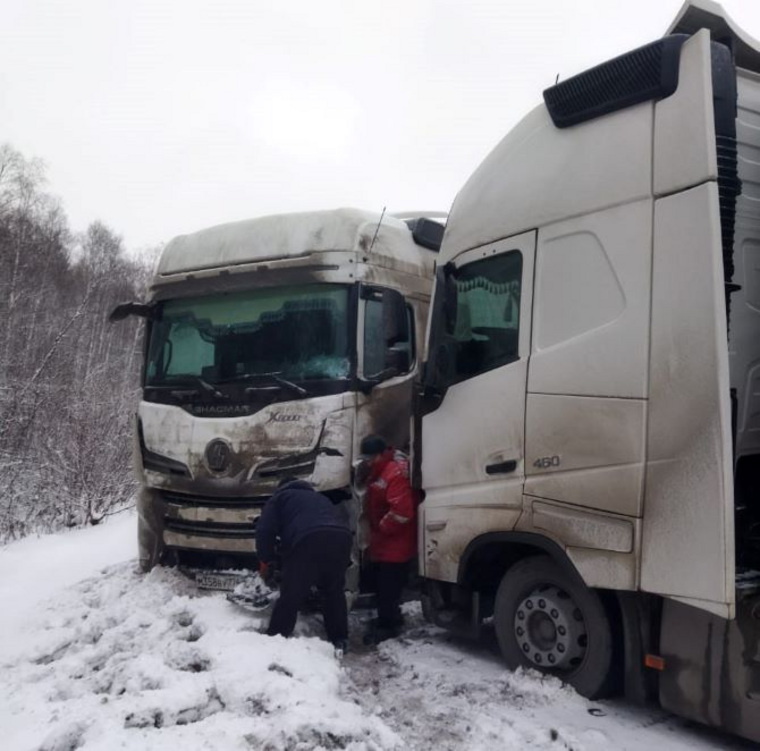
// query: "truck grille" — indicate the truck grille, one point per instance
point(211, 529)
point(183, 499)
point(212, 517)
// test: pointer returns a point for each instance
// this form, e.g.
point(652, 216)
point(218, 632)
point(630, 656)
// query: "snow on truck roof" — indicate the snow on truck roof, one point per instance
point(289, 235)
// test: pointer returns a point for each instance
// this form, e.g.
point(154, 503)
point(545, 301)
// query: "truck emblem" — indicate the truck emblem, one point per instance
point(218, 410)
point(218, 455)
point(284, 417)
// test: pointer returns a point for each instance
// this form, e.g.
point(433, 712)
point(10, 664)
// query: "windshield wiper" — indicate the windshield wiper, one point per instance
point(204, 385)
point(276, 377)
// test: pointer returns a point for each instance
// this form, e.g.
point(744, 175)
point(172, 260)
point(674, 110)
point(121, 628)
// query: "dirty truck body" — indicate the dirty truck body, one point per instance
point(272, 346)
point(590, 444)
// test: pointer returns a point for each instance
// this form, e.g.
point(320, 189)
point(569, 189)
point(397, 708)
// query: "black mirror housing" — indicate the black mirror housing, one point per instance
point(397, 360)
point(394, 316)
point(126, 309)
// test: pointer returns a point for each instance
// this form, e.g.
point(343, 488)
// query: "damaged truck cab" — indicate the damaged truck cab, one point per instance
point(272, 346)
point(595, 339)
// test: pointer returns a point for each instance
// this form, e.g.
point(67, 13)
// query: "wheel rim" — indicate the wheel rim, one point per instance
point(550, 630)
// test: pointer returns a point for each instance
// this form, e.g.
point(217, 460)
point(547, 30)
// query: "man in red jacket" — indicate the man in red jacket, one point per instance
point(391, 508)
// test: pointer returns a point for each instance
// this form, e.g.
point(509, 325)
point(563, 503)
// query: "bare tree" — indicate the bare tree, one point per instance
point(66, 378)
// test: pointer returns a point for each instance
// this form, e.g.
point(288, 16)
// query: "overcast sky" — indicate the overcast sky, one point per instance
point(160, 118)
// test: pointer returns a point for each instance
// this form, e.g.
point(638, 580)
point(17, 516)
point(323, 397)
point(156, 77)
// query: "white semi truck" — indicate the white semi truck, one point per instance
point(272, 347)
point(589, 425)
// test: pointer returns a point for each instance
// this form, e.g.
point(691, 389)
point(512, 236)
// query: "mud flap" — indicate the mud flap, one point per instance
point(639, 616)
point(712, 666)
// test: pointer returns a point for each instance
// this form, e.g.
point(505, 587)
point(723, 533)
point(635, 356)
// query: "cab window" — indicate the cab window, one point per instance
point(377, 348)
point(482, 330)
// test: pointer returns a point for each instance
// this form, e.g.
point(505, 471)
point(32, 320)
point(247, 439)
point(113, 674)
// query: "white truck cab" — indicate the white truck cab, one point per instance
point(273, 346)
point(590, 417)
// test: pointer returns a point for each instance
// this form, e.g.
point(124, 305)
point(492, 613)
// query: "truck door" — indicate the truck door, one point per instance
point(473, 432)
point(387, 365)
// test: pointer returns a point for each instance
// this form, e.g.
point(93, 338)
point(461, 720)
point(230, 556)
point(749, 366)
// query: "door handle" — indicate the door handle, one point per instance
point(501, 468)
point(435, 526)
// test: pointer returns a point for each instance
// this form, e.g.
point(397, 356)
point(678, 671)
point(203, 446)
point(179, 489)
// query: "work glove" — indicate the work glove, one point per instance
point(269, 573)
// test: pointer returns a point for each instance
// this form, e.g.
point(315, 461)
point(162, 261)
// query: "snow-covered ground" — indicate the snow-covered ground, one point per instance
point(95, 655)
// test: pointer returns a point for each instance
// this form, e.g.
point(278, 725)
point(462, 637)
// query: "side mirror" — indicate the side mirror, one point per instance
point(443, 363)
point(395, 321)
point(450, 306)
point(429, 399)
point(397, 360)
point(443, 315)
point(125, 309)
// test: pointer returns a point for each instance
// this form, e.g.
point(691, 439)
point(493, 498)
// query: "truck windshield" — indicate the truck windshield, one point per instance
point(297, 333)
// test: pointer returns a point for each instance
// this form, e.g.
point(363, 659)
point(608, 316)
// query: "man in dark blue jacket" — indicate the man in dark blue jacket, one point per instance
point(315, 548)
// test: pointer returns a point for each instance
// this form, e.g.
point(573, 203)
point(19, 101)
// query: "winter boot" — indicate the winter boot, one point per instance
point(341, 647)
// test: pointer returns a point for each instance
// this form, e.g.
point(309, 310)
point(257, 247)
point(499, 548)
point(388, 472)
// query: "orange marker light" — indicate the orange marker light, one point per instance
point(654, 662)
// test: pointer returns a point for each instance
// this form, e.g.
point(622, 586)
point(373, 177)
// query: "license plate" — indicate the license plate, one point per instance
point(224, 582)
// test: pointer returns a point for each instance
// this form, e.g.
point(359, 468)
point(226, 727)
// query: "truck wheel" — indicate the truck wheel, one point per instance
point(547, 621)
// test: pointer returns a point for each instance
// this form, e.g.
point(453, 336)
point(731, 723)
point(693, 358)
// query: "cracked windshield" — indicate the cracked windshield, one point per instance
point(296, 333)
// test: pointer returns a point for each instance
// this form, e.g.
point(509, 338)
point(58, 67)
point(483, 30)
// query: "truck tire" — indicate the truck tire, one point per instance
point(549, 621)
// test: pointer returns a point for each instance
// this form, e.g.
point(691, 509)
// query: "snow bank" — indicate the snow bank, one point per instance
point(33, 569)
point(441, 692)
point(129, 661)
point(134, 662)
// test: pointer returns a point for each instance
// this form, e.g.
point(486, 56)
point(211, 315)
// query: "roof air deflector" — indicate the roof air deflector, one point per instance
point(647, 73)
